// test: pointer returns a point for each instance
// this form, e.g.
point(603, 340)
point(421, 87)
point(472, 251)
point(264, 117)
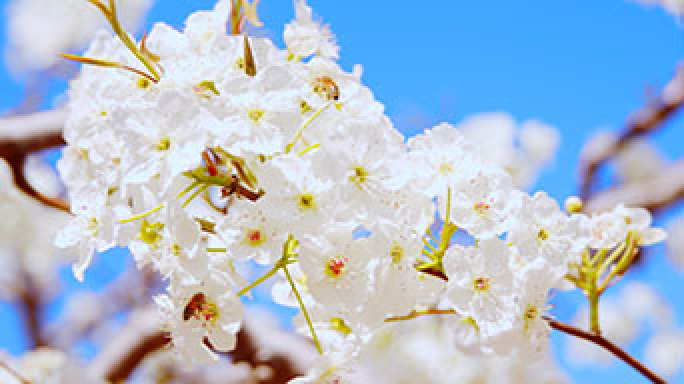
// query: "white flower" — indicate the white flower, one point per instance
point(203, 309)
point(295, 194)
point(530, 332)
point(607, 230)
point(337, 270)
point(544, 231)
point(441, 158)
point(484, 205)
point(251, 235)
point(305, 37)
point(480, 281)
point(638, 220)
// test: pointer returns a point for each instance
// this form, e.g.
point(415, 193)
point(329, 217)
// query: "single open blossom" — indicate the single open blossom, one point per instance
point(480, 280)
point(544, 232)
point(638, 220)
point(305, 37)
point(202, 309)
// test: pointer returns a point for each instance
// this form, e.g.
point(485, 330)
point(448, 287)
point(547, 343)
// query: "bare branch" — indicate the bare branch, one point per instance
point(259, 343)
point(643, 121)
point(607, 345)
point(654, 194)
point(13, 373)
point(31, 306)
point(23, 135)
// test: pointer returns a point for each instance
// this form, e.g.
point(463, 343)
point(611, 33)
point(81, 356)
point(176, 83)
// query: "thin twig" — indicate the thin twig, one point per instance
point(13, 373)
point(17, 166)
point(607, 345)
point(654, 194)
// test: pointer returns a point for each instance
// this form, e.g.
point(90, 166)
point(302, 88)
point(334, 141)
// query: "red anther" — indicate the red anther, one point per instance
point(211, 166)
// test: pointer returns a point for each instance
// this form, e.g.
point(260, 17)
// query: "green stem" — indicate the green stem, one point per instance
point(142, 215)
point(125, 38)
point(448, 207)
point(301, 305)
point(261, 279)
point(289, 146)
point(594, 306)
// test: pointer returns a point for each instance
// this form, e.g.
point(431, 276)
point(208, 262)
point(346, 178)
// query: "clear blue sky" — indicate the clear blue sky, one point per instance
point(579, 65)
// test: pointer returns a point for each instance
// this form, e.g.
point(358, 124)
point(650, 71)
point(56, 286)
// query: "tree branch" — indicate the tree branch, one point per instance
point(654, 194)
point(144, 346)
point(258, 344)
point(607, 345)
point(643, 121)
point(23, 135)
point(31, 305)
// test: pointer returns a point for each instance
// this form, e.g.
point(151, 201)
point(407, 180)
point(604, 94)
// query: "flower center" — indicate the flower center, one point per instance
point(240, 63)
point(335, 267)
point(306, 201)
point(163, 144)
point(445, 168)
point(255, 114)
point(340, 326)
point(359, 177)
point(542, 235)
point(396, 253)
point(150, 233)
point(254, 237)
point(304, 107)
point(481, 284)
point(202, 309)
point(142, 83)
point(481, 207)
point(531, 314)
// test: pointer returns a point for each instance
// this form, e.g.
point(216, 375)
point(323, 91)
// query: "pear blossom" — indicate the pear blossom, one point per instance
point(305, 37)
point(480, 280)
point(203, 309)
point(544, 232)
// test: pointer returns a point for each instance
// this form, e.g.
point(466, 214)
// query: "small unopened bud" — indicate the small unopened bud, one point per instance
point(573, 204)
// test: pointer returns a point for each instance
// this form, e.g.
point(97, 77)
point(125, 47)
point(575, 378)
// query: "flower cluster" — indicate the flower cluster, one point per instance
point(227, 149)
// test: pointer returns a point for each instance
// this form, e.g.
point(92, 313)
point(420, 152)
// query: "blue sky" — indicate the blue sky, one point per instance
point(579, 65)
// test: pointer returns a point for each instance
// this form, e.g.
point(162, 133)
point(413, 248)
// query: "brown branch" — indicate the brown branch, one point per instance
point(146, 345)
point(654, 194)
point(258, 344)
point(13, 373)
point(22, 135)
point(31, 305)
point(643, 121)
point(607, 345)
